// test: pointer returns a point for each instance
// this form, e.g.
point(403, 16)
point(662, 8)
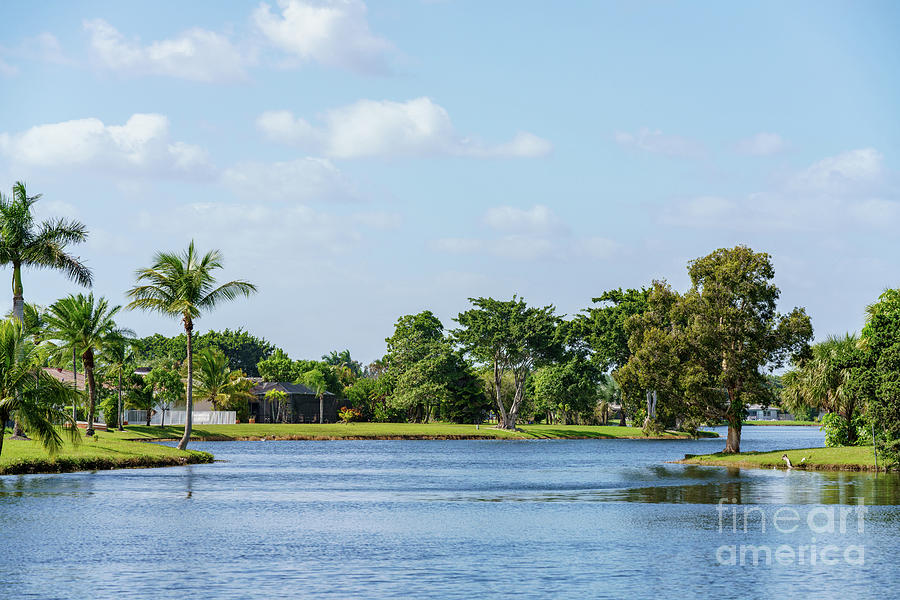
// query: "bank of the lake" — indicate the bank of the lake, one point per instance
point(390, 431)
point(785, 423)
point(844, 458)
point(102, 452)
point(133, 447)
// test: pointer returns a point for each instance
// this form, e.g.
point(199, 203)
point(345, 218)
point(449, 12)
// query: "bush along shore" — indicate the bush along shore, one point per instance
point(843, 458)
point(102, 452)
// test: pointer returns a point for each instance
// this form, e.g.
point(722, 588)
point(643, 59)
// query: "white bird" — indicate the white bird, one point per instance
point(787, 461)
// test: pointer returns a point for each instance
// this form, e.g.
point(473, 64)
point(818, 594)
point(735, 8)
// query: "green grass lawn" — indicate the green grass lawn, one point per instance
point(246, 431)
point(850, 458)
point(104, 451)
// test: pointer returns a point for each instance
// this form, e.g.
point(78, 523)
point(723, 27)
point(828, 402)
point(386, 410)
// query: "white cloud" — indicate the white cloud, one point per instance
point(538, 219)
point(7, 69)
point(418, 127)
point(141, 145)
point(335, 33)
point(832, 193)
point(876, 212)
point(761, 144)
point(379, 220)
point(655, 141)
point(528, 234)
point(515, 247)
point(250, 230)
point(44, 46)
point(41, 47)
point(302, 180)
point(843, 173)
point(597, 247)
point(196, 54)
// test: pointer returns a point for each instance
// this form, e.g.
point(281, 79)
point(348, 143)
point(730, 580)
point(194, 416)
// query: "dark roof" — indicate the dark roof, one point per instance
point(260, 389)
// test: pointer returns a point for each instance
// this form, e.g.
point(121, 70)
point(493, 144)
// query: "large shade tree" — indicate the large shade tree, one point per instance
point(28, 393)
point(710, 347)
point(87, 325)
point(509, 336)
point(25, 242)
point(183, 286)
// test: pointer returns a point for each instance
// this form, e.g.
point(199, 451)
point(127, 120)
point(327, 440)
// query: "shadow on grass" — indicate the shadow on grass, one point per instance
point(174, 432)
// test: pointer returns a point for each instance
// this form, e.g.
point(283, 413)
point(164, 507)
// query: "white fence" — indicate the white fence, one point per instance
point(177, 417)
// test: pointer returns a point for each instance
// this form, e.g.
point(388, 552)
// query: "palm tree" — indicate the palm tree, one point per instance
point(821, 381)
point(118, 355)
point(182, 285)
point(28, 392)
point(315, 380)
point(24, 243)
point(88, 326)
point(213, 376)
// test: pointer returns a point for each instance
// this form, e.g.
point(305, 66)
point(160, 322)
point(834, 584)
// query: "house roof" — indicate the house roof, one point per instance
point(260, 389)
point(66, 376)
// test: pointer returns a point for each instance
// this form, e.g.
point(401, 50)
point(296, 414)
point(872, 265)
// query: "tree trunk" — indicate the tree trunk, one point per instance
point(121, 416)
point(735, 421)
point(18, 313)
point(4, 417)
point(733, 443)
point(75, 384)
point(502, 417)
point(511, 416)
point(321, 409)
point(189, 407)
point(18, 299)
point(88, 360)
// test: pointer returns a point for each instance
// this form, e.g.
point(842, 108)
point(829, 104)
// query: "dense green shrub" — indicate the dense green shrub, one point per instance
point(837, 430)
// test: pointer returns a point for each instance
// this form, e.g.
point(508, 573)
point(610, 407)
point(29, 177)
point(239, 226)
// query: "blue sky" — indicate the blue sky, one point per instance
point(363, 161)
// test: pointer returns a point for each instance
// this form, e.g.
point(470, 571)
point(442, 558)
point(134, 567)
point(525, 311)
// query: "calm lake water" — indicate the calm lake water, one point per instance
point(452, 519)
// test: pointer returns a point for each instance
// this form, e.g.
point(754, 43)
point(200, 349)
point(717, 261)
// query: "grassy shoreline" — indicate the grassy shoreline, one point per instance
point(844, 458)
point(786, 423)
point(388, 431)
point(105, 451)
point(133, 448)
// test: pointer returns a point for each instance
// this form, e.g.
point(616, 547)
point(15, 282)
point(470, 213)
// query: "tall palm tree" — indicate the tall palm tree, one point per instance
point(182, 285)
point(25, 243)
point(119, 355)
point(88, 325)
point(28, 392)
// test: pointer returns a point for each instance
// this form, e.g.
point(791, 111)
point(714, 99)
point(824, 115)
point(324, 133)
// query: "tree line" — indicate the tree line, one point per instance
point(663, 358)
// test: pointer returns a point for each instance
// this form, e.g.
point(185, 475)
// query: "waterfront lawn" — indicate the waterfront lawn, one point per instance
point(843, 458)
point(104, 451)
point(329, 431)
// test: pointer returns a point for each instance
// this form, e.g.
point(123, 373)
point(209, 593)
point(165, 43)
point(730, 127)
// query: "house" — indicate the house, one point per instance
point(301, 405)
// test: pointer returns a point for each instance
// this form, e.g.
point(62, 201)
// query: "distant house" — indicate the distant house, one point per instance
point(301, 405)
point(757, 412)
